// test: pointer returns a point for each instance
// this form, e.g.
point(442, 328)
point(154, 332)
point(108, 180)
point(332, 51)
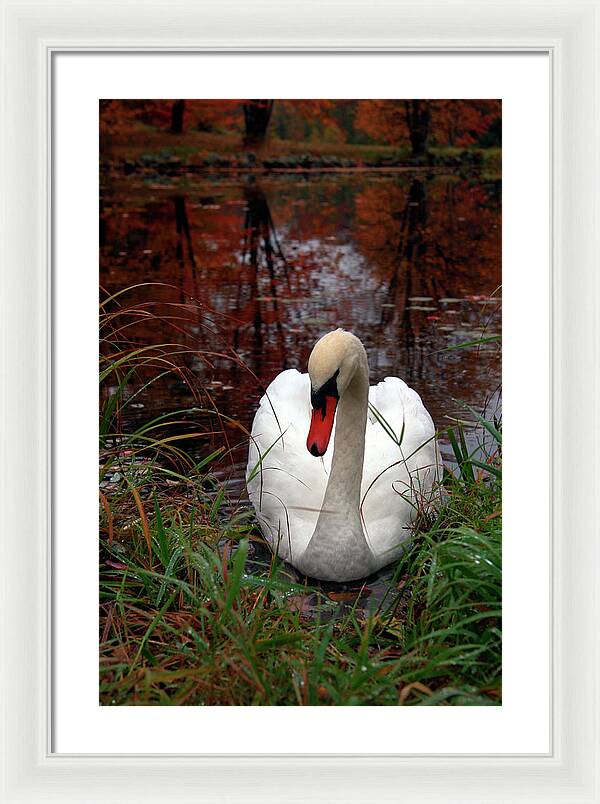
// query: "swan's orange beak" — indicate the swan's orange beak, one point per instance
point(321, 425)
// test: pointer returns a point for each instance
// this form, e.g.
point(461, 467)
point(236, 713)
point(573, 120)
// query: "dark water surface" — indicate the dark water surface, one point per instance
point(265, 264)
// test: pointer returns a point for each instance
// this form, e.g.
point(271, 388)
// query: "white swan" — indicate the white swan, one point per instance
point(340, 514)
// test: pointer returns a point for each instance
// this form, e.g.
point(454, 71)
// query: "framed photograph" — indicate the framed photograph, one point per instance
point(343, 538)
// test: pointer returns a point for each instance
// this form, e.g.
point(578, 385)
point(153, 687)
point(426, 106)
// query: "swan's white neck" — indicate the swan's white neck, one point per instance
point(343, 488)
point(338, 546)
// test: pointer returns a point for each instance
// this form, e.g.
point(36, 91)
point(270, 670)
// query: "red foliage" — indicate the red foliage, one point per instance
point(396, 122)
point(453, 122)
point(205, 115)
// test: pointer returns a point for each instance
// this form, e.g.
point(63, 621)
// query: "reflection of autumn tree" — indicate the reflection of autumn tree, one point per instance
point(462, 230)
point(426, 241)
point(333, 199)
point(407, 255)
point(263, 250)
point(297, 256)
point(182, 227)
point(410, 252)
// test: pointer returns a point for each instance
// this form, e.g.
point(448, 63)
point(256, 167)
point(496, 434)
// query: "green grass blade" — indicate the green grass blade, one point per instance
point(237, 570)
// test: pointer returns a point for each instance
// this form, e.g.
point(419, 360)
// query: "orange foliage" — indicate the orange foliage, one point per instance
point(446, 122)
point(204, 115)
point(453, 122)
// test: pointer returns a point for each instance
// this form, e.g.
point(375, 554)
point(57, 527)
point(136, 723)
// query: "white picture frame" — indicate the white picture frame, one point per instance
point(32, 33)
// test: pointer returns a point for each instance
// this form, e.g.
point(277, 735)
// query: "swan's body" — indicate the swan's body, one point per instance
point(344, 515)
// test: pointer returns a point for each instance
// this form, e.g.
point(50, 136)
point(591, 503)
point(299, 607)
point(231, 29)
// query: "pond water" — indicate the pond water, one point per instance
point(261, 265)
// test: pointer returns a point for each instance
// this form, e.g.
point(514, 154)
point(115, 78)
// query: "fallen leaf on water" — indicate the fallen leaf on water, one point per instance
point(116, 565)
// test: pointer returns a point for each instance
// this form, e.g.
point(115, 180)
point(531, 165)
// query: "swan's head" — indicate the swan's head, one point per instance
point(331, 367)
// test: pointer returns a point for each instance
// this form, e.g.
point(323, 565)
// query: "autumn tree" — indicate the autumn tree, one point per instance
point(215, 115)
point(175, 116)
point(463, 122)
point(420, 122)
point(257, 114)
point(177, 111)
point(397, 121)
point(322, 119)
point(418, 119)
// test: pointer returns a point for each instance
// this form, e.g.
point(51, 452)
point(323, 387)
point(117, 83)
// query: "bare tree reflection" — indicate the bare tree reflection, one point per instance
point(267, 266)
point(262, 252)
point(184, 243)
point(408, 256)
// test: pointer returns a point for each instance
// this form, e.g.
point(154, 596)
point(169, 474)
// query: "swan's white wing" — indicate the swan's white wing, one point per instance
point(285, 483)
point(396, 477)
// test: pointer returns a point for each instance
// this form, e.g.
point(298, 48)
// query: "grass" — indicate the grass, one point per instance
point(193, 611)
point(149, 139)
point(146, 147)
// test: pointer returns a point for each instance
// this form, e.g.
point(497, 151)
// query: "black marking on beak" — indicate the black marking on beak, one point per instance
point(329, 388)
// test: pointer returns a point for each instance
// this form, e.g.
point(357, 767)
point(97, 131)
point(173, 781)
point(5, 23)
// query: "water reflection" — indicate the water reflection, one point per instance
point(406, 261)
point(262, 252)
point(412, 243)
point(184, 247)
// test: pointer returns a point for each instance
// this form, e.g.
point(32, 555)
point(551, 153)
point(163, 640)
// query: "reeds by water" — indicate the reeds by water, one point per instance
point(189, 617)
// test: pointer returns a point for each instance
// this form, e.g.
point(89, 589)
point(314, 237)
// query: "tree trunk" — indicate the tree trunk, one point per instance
point(177, 116)
point(418, 118)
point(257, 114)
